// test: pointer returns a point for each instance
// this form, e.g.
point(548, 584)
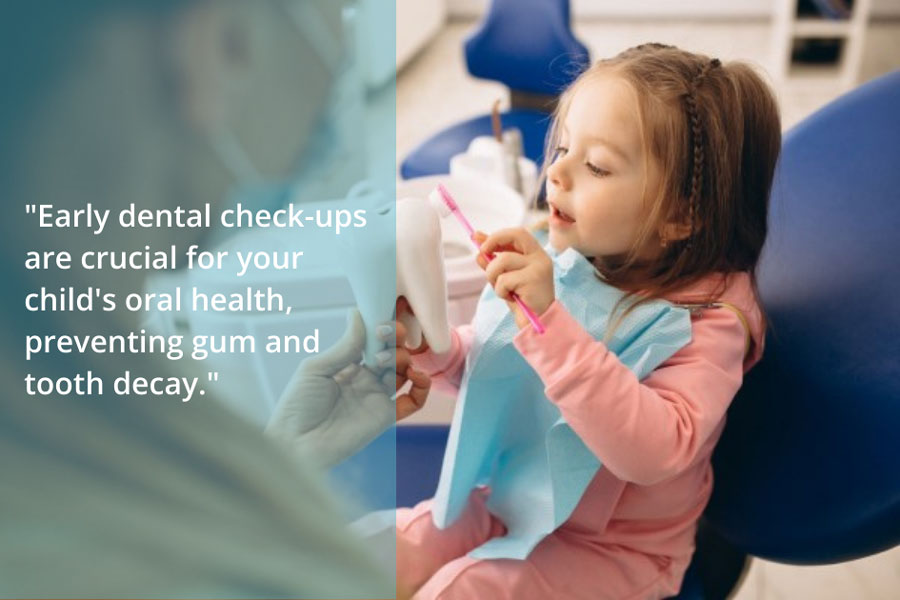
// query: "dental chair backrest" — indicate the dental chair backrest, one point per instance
point(543, 61)
point(807, 471)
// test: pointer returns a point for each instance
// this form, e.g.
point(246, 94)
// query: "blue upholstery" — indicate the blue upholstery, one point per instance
point(691, 585)
point(420, 452)
point(543, 62)
point(432, 157)
point(807, 470)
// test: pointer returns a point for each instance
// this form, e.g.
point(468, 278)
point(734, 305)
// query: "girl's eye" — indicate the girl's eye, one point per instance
point(597, 170)
point(559, 152)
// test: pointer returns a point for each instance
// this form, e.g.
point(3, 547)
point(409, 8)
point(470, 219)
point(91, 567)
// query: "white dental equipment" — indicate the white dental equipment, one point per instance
point(489, 159)
point(499, 158)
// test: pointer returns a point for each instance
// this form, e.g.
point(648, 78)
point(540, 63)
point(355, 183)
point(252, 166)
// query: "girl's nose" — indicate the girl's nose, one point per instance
point(558, 174)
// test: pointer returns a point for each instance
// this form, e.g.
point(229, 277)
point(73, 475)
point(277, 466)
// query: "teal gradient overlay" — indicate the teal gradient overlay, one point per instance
point(278, 111)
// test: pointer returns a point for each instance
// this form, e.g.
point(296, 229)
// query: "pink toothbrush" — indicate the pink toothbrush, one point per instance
point(444, 202)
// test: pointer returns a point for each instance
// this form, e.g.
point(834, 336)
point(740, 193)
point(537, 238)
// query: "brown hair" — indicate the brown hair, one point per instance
point(715, 133)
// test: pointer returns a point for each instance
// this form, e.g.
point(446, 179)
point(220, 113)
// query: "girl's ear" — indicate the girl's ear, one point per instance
point(674, 231)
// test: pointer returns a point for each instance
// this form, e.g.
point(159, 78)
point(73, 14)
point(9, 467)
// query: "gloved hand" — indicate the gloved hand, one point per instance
point(334, 406)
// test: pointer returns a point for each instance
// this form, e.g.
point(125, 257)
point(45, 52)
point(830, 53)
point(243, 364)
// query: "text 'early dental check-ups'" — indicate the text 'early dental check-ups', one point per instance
point(145, 293)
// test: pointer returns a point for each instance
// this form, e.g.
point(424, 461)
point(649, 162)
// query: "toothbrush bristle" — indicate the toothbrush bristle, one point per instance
point(437, 201)
point(451, 203)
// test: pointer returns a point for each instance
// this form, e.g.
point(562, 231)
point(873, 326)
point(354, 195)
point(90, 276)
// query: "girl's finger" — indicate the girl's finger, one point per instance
point(413, 400)
point(400, 334)
point(399, 378)
point(504, 262)
point(509, 282)
point(516, 239)
point(404, 359)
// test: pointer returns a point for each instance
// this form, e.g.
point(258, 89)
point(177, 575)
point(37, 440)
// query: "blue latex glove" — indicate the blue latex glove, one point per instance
point(334, 406)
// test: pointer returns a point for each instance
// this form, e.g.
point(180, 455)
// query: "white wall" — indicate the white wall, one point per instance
point(691, 9)
point(417, 22)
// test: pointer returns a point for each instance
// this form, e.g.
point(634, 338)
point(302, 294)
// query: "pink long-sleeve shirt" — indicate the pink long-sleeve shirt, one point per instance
point(654, 437)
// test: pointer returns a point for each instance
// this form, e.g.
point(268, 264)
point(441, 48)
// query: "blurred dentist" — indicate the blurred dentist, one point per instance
point(112, 102)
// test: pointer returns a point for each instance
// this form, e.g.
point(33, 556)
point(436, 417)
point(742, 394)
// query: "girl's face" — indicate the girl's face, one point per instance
point(596, 183)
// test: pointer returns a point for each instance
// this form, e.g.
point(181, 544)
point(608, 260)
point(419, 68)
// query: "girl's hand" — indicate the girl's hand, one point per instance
point(414, 399)
point(403, 307)
point(519, 265)
point(334, 406)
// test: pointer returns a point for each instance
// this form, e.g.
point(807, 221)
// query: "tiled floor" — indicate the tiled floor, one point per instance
point(434, 90)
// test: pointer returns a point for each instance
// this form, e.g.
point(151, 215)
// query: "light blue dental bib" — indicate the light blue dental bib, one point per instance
point(506, 434)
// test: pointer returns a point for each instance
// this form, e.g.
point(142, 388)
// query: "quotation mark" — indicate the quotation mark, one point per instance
point(212, 376)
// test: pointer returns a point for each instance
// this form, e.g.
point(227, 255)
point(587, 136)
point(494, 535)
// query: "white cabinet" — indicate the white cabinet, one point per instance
point(810, 49)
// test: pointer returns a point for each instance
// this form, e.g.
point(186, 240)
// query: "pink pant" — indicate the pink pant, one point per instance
point(434, 564)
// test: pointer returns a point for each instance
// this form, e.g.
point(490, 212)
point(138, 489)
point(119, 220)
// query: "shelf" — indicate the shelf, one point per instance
point(817, 43)
point(817, 54)
point(806, 74)
point(810, 27)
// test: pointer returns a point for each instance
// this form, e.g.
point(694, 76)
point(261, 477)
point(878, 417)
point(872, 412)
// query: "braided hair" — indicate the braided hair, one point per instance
point(690, 99)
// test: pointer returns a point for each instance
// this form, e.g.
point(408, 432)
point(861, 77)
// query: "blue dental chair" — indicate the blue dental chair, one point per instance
point(807, 469)
point(536, 68)
point(807, 472)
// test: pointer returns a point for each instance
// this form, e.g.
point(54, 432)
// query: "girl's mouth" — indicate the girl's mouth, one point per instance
point(558, 217)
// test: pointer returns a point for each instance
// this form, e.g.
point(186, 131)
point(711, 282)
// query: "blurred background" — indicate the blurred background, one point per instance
point(812, 53)
point(830, 55)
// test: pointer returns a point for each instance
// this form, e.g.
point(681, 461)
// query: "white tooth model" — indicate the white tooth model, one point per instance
point(368, 256)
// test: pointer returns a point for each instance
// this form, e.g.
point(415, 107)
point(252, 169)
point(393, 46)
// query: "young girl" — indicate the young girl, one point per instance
point(659, 171)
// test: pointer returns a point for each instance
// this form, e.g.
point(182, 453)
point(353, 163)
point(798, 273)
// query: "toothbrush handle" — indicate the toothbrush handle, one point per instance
point(529, 314)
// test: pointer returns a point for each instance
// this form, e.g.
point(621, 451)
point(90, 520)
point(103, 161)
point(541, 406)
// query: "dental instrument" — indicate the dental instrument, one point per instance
point(444, 203)
point(510, 145)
